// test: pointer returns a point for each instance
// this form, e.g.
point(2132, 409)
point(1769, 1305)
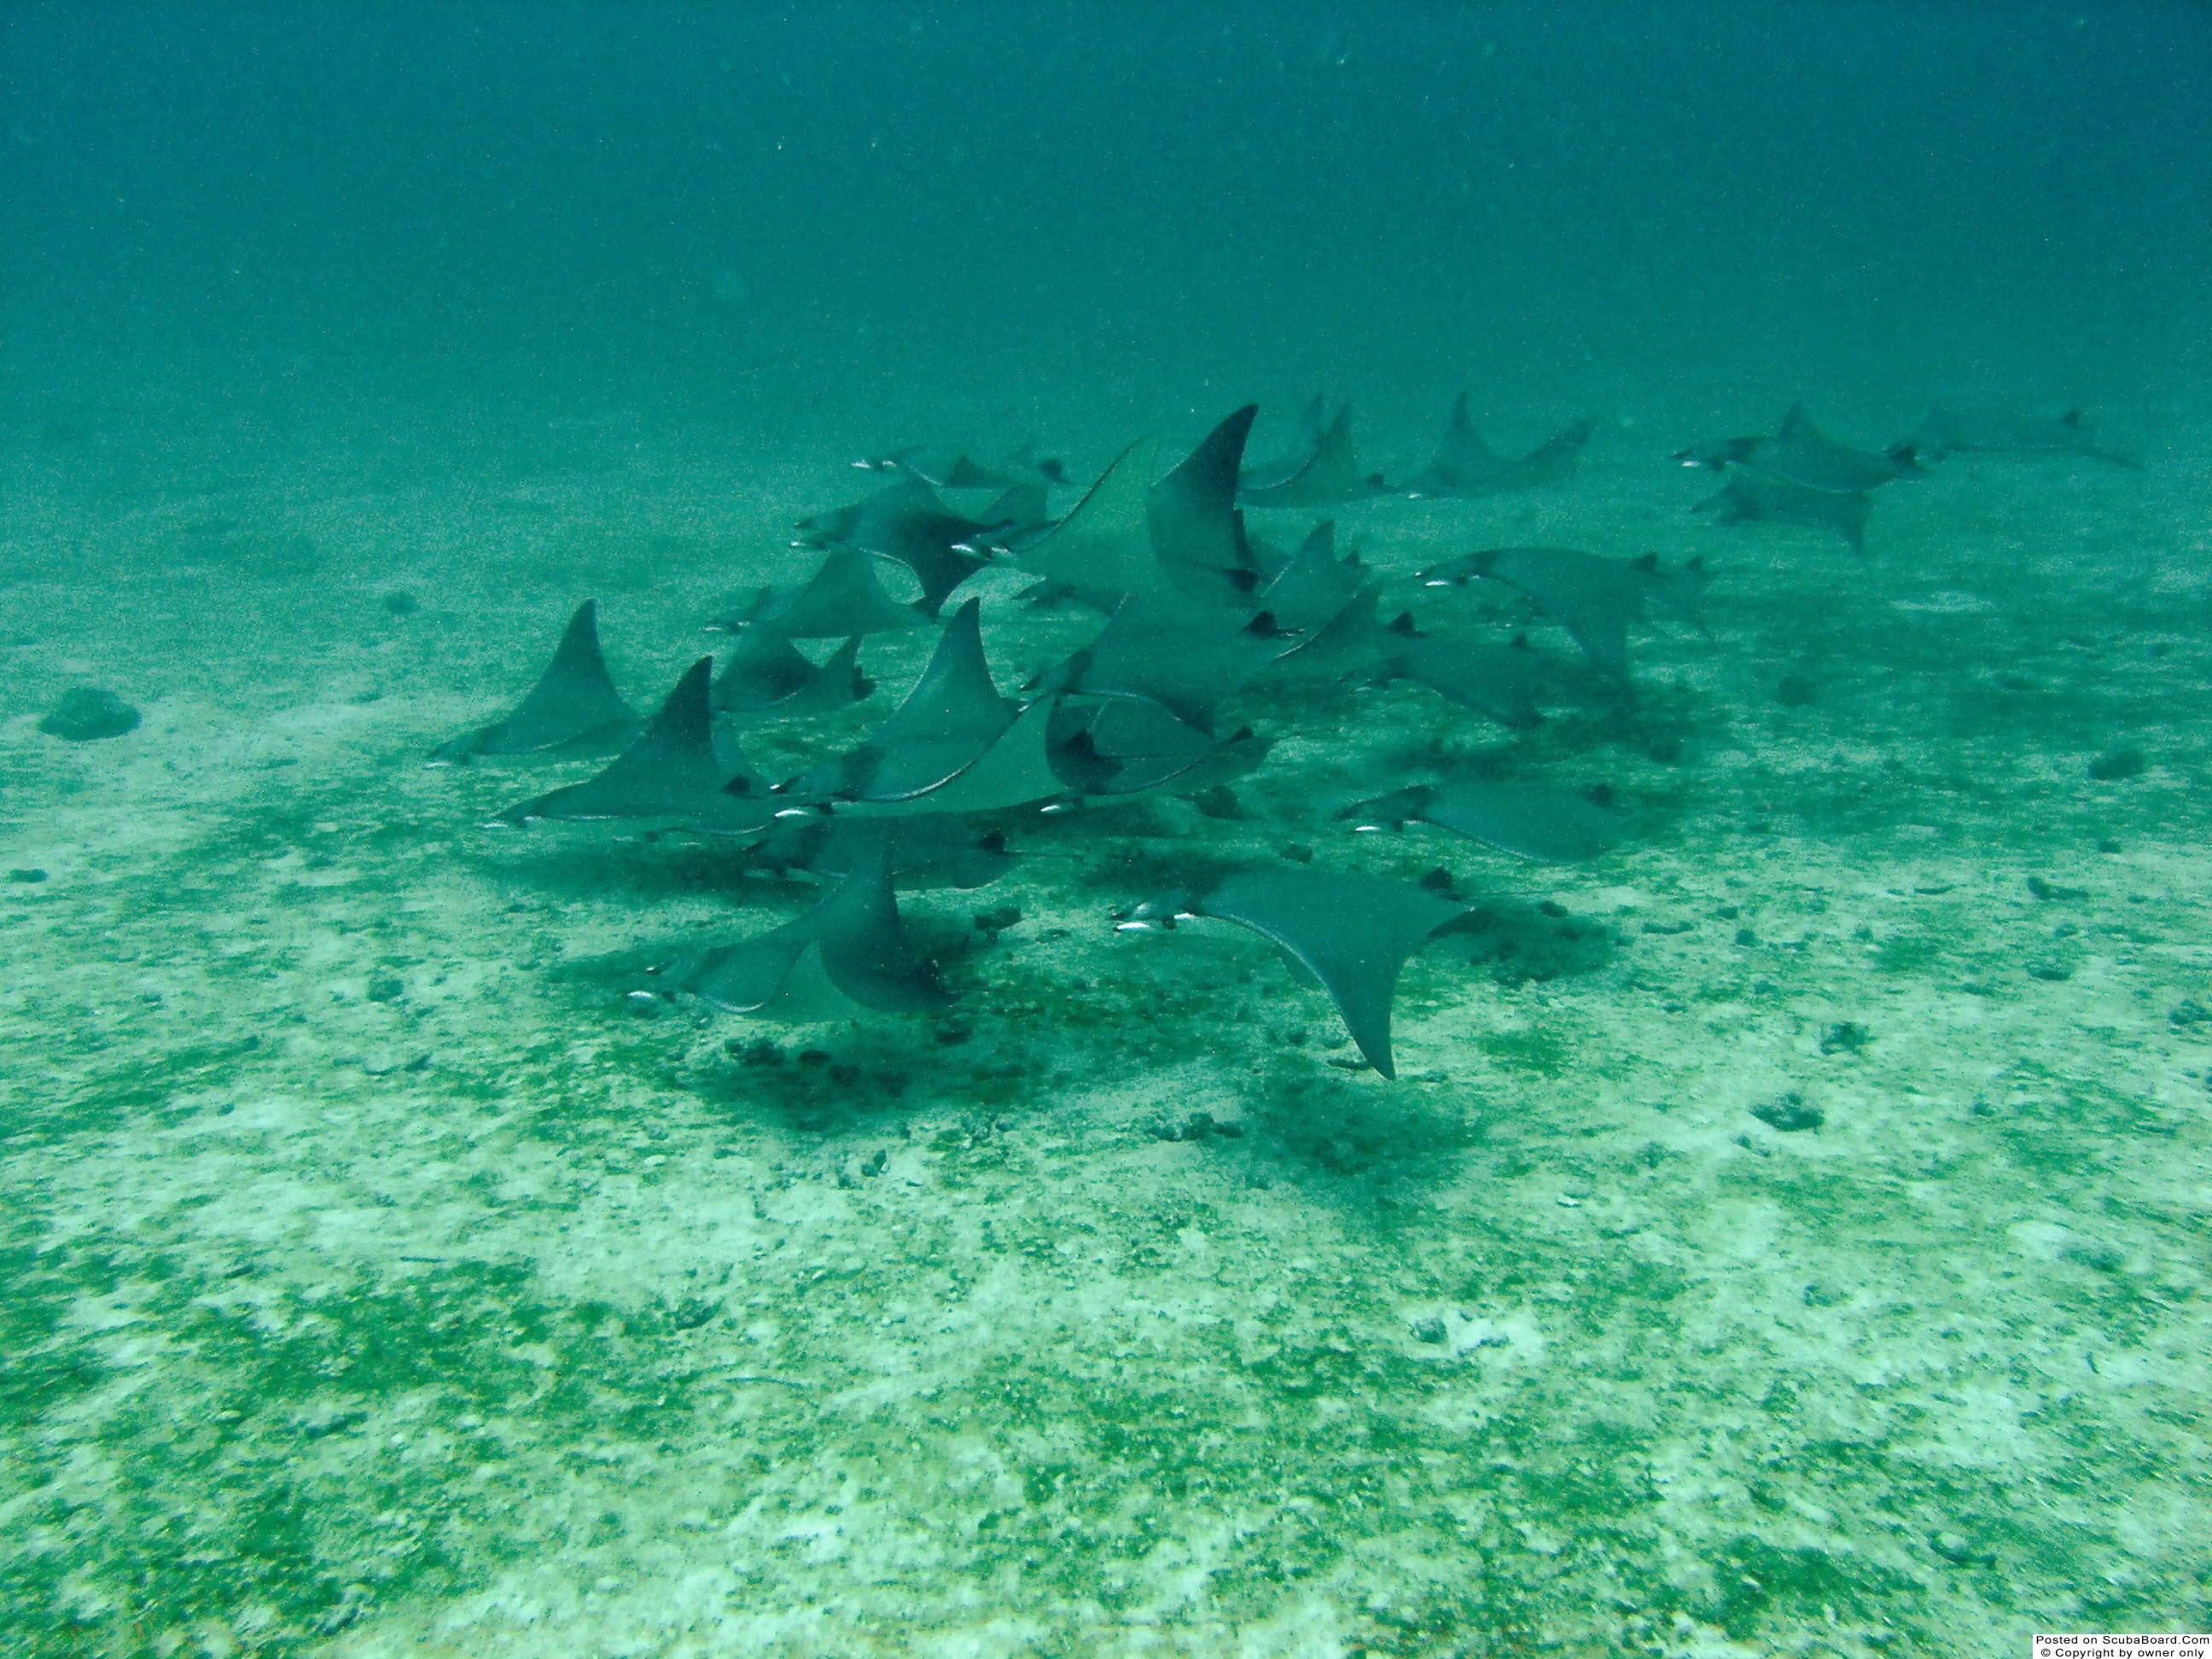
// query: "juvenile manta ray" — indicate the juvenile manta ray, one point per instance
point(1538, 824)
point(671, 775)
point(1352, 933)
point(1321, 467)
point(855, 938)
point(574, 699)
point(1946, 432)
point(1753, 500)
point(1465, 465)
point(1595, 599)
point(1800, 453)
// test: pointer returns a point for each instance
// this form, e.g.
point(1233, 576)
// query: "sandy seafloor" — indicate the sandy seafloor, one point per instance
point(377, 1284)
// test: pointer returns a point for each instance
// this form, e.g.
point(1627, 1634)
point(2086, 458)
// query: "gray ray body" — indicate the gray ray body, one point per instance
point(1313, 586)
point(1949, 432)
point(926, 849)
point(1186, 659)
point(1118, 746)
point(1753, 500)
point(1327, 472)
point(573, 700)
point(1595, 599)
point(1497, 681)
point(858, 941)
point(1542, 825)
point(1198, 535)
point(842, 598)
point(673, 773)
point(1103, 548)
point(1465, 465)
point(950, 466)
point(1354, 933)
point(765, 677)
point(906, 523)
point(1800, 453)
point(948, 723)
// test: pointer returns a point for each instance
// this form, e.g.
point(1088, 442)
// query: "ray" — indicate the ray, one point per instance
point(1461, 461)
point(906, 523)
point(1305, 444)
point(1159, 652)
point(1465, 465)
point(1800, 453)
point(1344, 645)
point(765, 677)
point(926, 849)
point(948, 721)
point(1332, 474)
point(1982, 432)
point(840, 599)
point(573, 700)
point(1354, 933)
point(1198, 535)
point(1314, 585)
point(949, 466)
point(1103, 548)
point(859, 942)
point(1753, 500)
point(1119, 746)
point(1595, 599)
point(1495, 681)
point(669, 774)
point(1541, 825)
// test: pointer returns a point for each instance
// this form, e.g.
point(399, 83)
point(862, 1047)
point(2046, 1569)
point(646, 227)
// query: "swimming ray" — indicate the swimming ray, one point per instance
point(1305, 444)
point(948, 466)
point(1344, 645)
point(840, 599)
point(1314, 585)
point(671, 772)
point(573, 699)
point(1753, 500)
point(859, 941)
point(1465, 465)
point(1119, 746)
point(1330, 474)
point(1542, 825)
point(1354, 933)
point(1103, 548)
point(1949, 432)
point(1594, 598)
point(906, 523)
point(1800, 453)
point(764, 677)
point(926, 849)
point(1495, 681)
point(1159, 652)
point(1198, 535)
point(948, 721)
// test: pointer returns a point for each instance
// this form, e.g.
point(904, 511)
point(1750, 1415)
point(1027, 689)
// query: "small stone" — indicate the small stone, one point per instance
point(88, 713)
point(400, 602)
point(2188, 1013)
point(1438, 880)
point(1954, 1547)
point(995, 922)
point(2126, 762)
point(384, 988)
point(26, 876)
point(1429, 1329)
point(1299, 853)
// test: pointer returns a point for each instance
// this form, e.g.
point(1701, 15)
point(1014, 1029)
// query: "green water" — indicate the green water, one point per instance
point(1785, 1232)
